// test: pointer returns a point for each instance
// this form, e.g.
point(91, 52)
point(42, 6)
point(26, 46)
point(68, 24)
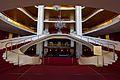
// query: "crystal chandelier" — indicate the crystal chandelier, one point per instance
point(59, 24)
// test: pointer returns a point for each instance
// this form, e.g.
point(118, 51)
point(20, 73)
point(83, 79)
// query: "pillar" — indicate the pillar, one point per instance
point(40, 20)
point(40, 27)
point(72, 30)
point(10, 35)
point(78, 16)
point(46, 28)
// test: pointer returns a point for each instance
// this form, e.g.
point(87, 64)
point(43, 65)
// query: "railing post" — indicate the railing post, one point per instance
point(88, 39)
point(11, 46)
point(103, 57)
point(113, 52)
point(18, 59)
point(6, 53)
point(97, 60)
point(108, 47)
point(6, 50)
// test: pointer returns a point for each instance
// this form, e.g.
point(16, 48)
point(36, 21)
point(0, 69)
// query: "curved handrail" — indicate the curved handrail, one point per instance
point(101, 43)
point(3, 42)
point(3, 17)
point(31, 38)
point(6, 47)
point(59, 36)
point(104, 23)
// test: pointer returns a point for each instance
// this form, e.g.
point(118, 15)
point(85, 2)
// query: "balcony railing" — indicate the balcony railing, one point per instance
point(3, 17)
point(109, 22)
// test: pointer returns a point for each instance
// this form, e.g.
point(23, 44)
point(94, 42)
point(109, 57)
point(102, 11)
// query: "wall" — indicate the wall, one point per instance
point(6, 35)
point(112, 36)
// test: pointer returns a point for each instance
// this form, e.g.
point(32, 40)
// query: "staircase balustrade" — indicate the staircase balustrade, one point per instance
point(90, 40)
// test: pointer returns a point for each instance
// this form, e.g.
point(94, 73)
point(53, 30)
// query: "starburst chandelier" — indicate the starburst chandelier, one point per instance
point(59, 24)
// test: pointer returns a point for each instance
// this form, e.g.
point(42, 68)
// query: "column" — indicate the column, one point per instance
point(78, 50)
point(40, 26)
point(10, 35)
point(40, 20)
point(72, 30)
point(78, 16)
point(46, 28)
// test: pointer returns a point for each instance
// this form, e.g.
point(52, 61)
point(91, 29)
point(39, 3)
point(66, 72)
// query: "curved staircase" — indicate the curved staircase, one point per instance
point(17, 56)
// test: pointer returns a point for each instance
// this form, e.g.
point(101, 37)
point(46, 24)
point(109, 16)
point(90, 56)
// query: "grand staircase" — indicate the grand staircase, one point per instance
point(8, 68)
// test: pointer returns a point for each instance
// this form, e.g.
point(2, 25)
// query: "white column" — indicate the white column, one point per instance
point(78, 50)
point(78, 16)
point(72, 44)
point(72, 30)
point(46, 28)
point(40, 20)
point(45, 43)
point(39, 49)
point(40, 27)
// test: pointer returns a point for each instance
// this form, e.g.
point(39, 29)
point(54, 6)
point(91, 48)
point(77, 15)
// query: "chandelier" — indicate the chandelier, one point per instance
point(59, 24)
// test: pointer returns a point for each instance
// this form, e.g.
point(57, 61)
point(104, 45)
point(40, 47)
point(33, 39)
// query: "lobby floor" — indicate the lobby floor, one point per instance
point(46, 72)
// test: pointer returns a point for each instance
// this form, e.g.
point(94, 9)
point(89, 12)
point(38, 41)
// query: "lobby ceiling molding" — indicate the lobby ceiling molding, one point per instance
point(109, 5)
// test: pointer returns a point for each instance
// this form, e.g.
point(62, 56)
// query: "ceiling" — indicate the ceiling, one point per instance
point(22, 18)
point(9, 9)
point(110, 5)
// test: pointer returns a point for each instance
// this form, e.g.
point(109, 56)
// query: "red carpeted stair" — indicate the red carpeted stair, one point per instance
point(116, 66)
point(5, 66)
point(60, 61)
point(58, 68)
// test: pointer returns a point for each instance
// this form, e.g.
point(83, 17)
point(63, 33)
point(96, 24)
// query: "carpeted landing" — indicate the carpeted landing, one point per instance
point(45, 72)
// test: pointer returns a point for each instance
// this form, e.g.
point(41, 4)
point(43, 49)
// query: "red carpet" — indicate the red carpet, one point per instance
point(43, 72)
point(60, 61)
point(58, 69)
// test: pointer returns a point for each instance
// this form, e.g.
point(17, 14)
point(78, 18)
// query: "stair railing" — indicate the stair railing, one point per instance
point(31, 38)
point(16, 43)
point(102, 44)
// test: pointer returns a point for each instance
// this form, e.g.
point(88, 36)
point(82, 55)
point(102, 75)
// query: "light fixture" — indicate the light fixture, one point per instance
point(59, 24)
point(61, 49)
